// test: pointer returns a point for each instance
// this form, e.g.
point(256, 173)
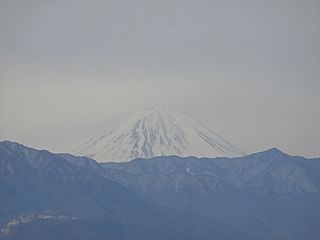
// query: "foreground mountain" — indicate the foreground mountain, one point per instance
point(58, 196)
point(270, 194)
point(264, 196)
point(154, 132)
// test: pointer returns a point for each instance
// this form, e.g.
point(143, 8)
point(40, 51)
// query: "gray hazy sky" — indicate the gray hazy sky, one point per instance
point(249, 70)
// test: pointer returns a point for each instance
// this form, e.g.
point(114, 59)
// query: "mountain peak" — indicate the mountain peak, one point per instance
point(274, 150)
point(155, 112)
point(157, 131)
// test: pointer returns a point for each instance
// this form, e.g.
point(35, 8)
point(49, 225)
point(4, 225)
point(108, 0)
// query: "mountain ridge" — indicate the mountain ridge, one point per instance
point(266, 195)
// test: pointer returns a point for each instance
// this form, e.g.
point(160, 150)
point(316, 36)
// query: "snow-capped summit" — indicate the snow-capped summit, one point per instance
point(161, 131)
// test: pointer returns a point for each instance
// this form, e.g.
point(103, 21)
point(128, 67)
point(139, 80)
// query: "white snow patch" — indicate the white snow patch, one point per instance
point(155, 132)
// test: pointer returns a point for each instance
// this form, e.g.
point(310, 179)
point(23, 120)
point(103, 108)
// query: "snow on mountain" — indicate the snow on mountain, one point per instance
point(154, 132)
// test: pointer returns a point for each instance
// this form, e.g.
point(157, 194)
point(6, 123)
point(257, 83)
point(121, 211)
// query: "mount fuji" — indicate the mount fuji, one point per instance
point(152, 132)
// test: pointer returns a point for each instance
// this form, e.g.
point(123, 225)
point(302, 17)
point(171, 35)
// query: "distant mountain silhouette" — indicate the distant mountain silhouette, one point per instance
point(266, 195)
point(152, 132)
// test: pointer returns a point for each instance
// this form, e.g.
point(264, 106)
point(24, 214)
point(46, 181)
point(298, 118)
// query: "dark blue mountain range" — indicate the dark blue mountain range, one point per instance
point(267, 195)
